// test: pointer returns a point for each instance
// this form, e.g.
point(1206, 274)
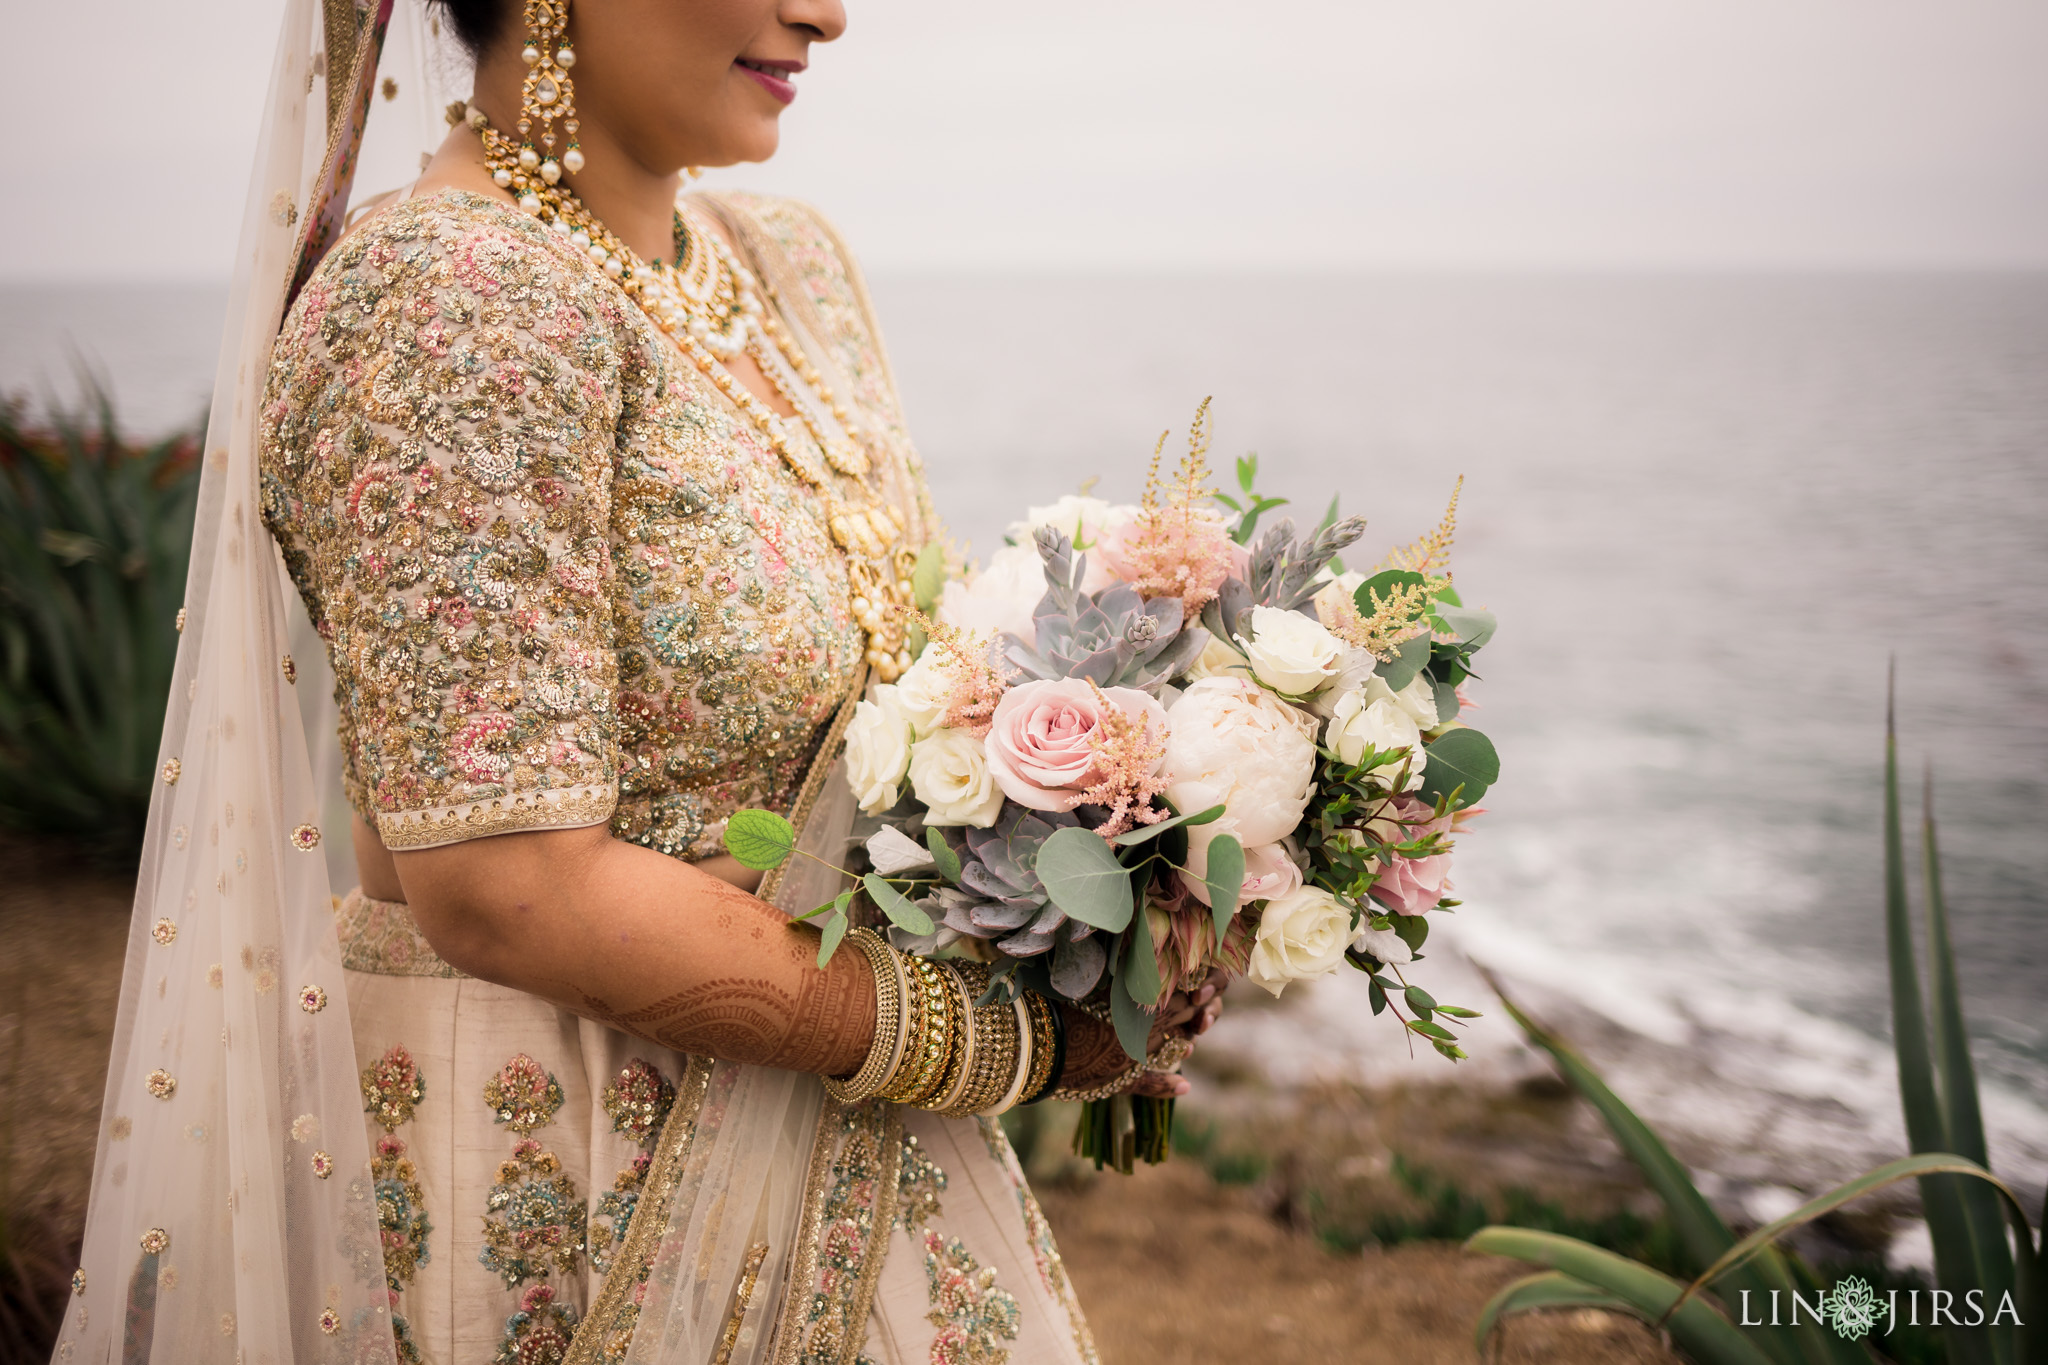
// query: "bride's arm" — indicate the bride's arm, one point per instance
point(664, 950)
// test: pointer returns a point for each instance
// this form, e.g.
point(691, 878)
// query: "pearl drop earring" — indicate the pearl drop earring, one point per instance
point(547, 93)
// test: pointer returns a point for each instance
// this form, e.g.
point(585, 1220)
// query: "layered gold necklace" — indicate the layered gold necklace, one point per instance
point(709, 304)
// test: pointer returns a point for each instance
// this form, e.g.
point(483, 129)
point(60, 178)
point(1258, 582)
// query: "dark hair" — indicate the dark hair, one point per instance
point(477, 23)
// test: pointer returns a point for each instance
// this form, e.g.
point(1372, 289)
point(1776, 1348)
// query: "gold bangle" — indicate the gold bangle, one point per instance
point(936, 1035)
point(960, 1066)
point(991, 1064)
point(885, 1050)
point(1020, 1062)
point(1044, 1046)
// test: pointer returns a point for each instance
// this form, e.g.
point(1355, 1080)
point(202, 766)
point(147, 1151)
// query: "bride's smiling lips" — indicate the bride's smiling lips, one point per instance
point(772, 76)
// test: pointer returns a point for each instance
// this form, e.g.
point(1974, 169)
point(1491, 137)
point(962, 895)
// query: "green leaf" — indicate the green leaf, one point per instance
point(1224, 879)
point(1431, 1030)
point(1548, 1289)
point(901, 912)
point(1458, 1012)
point(1379, 996)
point(1701, 1333)
point(1133, 1026)
point(1460, 758)
point(1247, 471)
point(1145, 832)
point(835, 930)
point(1410, 659)
point(1445, 695)
point(1412, 930)
point(837, 905)
point(929, 576)
point(760, 839)
point(1419, 1000)
point(1383, 584)
point(1084, 878)
point(942, 854)
point(1472, 625)
point(1141, 974)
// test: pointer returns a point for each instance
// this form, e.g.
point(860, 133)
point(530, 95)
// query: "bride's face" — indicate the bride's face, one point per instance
point(694, 82)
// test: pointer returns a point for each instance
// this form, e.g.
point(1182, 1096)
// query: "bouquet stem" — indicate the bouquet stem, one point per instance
point(1122, 1129)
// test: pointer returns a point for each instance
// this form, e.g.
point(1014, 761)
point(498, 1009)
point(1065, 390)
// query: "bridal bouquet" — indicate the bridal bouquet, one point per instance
point(1146, 742)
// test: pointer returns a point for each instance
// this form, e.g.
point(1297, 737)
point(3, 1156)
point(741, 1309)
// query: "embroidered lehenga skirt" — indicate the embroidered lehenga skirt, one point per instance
point(512, 1142)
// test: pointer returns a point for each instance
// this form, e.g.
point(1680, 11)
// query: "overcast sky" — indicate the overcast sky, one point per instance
point(1169, 134)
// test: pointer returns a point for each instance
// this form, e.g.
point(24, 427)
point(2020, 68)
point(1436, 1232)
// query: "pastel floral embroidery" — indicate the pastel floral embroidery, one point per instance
point(305, 838)
point(637, 1102)
point(172, 768)
point(305, 1128)
point(330, 1321)
point(524, 1094)
point(535, 1221)
point(973, 1315)
point(323, 1165)
point(155, 1242)
point(392, 1087)
point(165, 931)
point(312, 999)
point(539, 1333)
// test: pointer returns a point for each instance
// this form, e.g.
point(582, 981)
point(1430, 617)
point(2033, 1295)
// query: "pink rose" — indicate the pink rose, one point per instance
point(1269, 873)
point(1039, 740)
point(1411, 886)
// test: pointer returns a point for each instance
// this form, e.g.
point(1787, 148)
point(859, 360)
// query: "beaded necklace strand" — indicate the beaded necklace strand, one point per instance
point(708, 303)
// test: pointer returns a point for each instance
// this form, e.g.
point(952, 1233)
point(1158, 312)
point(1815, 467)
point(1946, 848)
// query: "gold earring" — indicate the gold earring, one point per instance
point(548, 93)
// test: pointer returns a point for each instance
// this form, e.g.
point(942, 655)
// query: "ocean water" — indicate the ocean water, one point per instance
point(1711, 513)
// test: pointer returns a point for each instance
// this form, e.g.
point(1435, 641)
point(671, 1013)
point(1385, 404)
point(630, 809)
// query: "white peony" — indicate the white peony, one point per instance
point(1356, 726)
point(877, 750)
point(1383, 944)
point(1081, 519)
point(949, 772)
point(1302, 934)
point(1231, 741)
point(1290, 652)
point(1000, 598)
point(921, 693)
point(1418, 698)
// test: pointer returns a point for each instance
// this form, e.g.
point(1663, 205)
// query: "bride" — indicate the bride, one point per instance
point(601, 501)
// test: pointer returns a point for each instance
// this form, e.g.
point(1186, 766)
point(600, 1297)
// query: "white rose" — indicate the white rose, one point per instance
point(1383, 944)
point(1302, 934)
point(877, 750)
point(1356, 726)
point(1418, 698)
point(999, 598)
point(1231, 741)
point(1218, 659)
point(921, 693)
point(949, 773)
point(1290, 652)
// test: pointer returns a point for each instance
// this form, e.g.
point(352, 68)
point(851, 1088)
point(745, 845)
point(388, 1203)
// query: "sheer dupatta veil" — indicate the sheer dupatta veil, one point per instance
point(233, 1212)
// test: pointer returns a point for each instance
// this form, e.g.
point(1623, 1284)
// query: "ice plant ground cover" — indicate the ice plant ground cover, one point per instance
point(1149, 742)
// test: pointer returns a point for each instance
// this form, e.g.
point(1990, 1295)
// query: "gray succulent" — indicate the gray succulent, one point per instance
point(1281, 573)
point(1114, 637)
point(1000, 899)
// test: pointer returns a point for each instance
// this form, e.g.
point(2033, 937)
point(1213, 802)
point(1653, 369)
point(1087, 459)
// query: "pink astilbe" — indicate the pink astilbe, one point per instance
point(1174, 548)
point(975, 682)
point(1128, 755)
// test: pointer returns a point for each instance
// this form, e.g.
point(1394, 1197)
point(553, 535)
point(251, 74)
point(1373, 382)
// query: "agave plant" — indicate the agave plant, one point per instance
point(1000, 898)
point(1970, 1212)
point(94, 537)
point(1114, 637)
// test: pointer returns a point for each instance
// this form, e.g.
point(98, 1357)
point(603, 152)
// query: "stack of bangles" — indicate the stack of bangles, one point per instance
point(935, 1049)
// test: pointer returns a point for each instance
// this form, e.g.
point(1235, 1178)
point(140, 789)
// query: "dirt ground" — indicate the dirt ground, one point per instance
point(1173, 1267)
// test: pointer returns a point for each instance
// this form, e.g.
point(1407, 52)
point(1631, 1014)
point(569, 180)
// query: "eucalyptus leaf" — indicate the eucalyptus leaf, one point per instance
point(929, 576)
point(1084, 879)
point(1472, 625)
point(890, 901)
point(1411, 659)
point(760, 839)
point(1462, 757)
point(835, 930)
point(1133, 1026)
point(1412, 930)
point(1141, 974)
point(1145, 832)
point(942, 853)
point(1224, 879)
point(1447, 704)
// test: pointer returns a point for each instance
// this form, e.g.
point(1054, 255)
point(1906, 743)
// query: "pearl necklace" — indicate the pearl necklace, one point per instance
point(708, 304)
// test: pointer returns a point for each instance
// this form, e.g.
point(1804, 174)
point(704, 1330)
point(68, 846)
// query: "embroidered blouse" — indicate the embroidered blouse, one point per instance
point(562, 579)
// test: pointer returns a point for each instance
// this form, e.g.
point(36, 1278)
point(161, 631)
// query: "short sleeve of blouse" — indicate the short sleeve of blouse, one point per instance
point(437, 464)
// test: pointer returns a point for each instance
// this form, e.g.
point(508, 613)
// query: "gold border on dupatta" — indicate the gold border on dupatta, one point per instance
point(650, 1217)
point(838, 1129)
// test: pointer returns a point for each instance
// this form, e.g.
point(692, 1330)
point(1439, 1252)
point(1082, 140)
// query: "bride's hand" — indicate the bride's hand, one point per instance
point(1094, 1055)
